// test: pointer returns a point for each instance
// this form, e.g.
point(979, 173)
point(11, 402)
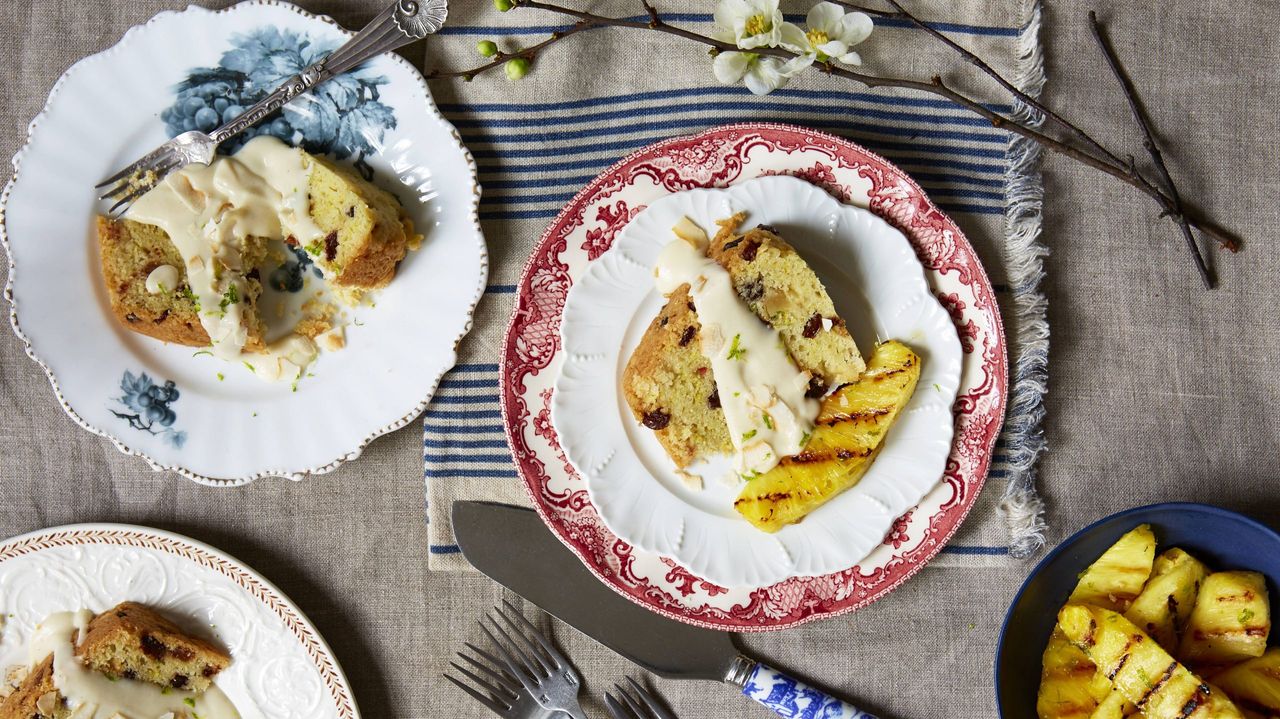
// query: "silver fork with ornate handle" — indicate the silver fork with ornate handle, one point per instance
point(401, 23)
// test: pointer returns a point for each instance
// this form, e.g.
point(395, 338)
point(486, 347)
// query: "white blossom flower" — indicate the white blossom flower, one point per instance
point(761, 74)
point(748, 23)
point(831, 36)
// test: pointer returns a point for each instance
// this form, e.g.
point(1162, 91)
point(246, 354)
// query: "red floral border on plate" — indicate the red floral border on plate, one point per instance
point(716, 158)
point(247, 580)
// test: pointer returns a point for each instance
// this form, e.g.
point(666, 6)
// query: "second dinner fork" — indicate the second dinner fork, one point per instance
point(638, 704)
point(403, 22)
point(526, 656)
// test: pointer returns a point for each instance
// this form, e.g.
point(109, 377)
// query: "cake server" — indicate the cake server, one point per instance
point(402, 22)
point(514, 548)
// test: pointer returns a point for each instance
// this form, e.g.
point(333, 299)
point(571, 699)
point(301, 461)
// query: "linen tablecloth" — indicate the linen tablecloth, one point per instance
point(1160, 390)
point(605, 93)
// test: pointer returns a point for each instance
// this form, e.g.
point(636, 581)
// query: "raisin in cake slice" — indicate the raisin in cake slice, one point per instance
point(668, 383)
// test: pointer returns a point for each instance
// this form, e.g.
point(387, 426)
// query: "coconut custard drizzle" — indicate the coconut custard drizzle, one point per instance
point(210, 212)
point(762, 391)
point(103, 697)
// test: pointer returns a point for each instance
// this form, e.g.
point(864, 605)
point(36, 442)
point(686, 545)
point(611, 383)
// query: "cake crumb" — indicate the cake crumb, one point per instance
point(333, 339)
point(692, 481)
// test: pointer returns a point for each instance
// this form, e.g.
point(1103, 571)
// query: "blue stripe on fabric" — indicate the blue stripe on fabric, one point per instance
point(562, 198)
point(638, 142)
point(465, 444)
point(526, 121)
point(463, 429)
point(501, 289)
point(475, 368)
point(705, 18)
point(466, 399)
point(459, 383)
point(980, 551)
point(468, 458)
point(463, 414)
point(577, 181)
point(445, 549)
point(824, 98)
point(452, 473)
point(697, 123)
point(598, 164)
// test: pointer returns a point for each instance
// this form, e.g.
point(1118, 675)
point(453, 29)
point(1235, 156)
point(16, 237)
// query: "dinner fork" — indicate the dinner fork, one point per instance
point(401, 23)
point(641, 706)
point(525, 656)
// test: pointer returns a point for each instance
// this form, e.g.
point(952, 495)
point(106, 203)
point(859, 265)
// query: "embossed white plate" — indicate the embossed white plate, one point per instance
point(280, 666)
point(878, 285)
point(206, 419)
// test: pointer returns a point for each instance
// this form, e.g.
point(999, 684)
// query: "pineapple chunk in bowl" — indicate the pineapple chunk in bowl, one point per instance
point(1236, 547)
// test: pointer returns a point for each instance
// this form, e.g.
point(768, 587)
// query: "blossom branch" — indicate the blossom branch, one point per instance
point(1104, 161)
point(1149, 142)
point(501, 58)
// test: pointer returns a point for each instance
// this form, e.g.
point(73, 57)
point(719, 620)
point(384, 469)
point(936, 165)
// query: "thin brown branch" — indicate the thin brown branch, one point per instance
point(1149, 142)
point(1125, 172)
point(1000, 80)
point(528, 53)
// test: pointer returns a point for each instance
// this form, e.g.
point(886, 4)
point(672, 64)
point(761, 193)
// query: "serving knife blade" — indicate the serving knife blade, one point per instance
point(513, 547)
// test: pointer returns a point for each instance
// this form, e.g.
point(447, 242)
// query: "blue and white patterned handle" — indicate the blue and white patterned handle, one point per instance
point(790, 697)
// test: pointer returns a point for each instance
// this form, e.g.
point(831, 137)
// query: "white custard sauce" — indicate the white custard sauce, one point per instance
point(762, 391)
point(103, 697)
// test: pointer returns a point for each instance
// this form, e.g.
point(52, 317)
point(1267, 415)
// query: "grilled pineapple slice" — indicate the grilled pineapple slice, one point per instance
point(1166, 602)
point(850, 427)
point(1230, 622)
point(1254, 685)
point(1070, 686)
point(1116, 578)
point(1143, 672)
point(1114, 706)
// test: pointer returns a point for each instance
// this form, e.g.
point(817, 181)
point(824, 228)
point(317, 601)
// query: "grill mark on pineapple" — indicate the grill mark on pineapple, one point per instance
point(818, 456)
point(1199, 698)
point(1124, 656)
point(1164, 679)
point(865, 414)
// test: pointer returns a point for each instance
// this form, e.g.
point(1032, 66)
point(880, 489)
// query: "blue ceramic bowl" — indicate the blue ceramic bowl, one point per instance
point(1220, 538)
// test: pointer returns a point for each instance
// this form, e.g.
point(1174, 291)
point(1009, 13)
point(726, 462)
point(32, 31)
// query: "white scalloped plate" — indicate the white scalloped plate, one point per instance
point(280, 666)
point(878, 285)
point(106, 111)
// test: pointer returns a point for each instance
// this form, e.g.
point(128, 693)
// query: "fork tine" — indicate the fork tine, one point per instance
point(159, 169)
point(616, 710)
point(650, 701)
point(512, 664)
point(498, 675)
point(495, 691)
point(148, 159)
point(548, 666)
point(501, 709)
point(513, 650)
point(139, 189)
point(632, 704)
point(558, 660)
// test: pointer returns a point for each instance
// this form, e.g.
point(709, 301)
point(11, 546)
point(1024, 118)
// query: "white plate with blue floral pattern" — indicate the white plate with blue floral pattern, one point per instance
point(189, 412)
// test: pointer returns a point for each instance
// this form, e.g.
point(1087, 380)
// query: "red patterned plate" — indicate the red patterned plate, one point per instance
point(720, 157)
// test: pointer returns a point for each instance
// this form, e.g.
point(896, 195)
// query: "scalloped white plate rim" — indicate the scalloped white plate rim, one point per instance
point(340, 676)
point(659, 517)
point(121, 445)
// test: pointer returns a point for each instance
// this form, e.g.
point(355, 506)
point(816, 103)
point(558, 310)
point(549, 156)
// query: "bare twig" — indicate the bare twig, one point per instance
point(991, 72)
point(1097, 157)
point(1149, 142)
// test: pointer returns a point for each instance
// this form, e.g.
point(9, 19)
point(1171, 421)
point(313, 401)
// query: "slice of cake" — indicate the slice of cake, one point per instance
point(668, 382)
point(367, 232)
point(131, 642)
point(135, 642)
point(183, 266)
point(133, 253)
